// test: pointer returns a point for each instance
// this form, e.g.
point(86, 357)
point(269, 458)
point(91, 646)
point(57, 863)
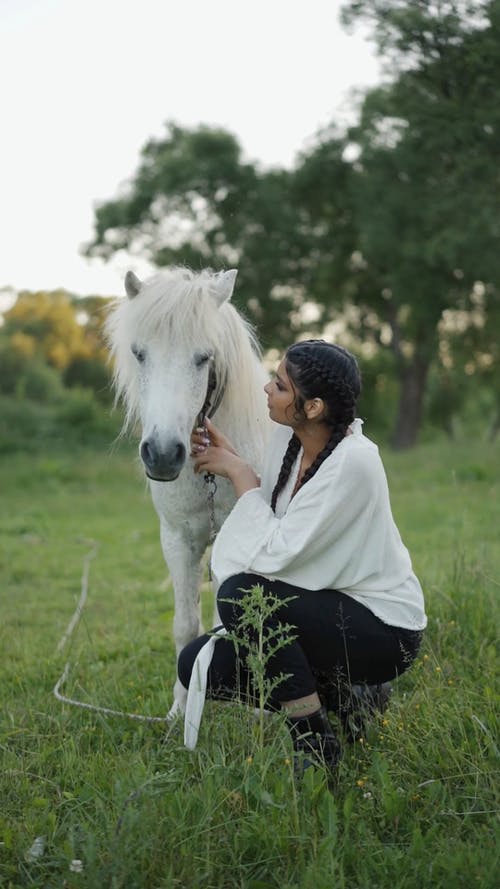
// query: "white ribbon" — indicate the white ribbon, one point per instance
point(197, 690)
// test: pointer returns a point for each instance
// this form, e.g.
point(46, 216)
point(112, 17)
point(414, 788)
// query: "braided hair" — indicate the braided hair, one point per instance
point(318, 369)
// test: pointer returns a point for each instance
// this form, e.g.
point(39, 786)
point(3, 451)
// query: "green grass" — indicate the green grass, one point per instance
point(415, 804)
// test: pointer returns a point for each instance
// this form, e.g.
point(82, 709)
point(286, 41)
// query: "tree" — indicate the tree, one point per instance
point(426, 188)
point(470, 352)
point(54, 331)
point(194, 201)
point(44, 324)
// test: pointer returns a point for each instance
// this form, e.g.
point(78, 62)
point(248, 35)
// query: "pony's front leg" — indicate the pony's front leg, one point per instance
point(183, 550)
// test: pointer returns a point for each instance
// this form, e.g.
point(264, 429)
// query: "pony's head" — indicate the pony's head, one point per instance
point(174, 340)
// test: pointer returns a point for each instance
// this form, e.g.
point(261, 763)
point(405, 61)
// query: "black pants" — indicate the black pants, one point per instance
point(336, 639)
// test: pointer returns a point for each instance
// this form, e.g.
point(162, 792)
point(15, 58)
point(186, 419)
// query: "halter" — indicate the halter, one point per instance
point(208, 410)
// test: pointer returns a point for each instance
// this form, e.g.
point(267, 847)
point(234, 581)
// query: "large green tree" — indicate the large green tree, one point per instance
point(194, 200)
point(426, 189)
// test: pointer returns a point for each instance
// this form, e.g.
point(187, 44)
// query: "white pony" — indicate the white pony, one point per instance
point(179, 348)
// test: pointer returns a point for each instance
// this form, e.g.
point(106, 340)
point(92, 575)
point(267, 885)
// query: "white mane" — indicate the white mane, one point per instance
point(181, 306)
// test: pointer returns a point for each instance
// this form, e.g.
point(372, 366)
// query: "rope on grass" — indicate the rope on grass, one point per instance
point(75, 620)
point(108, 711)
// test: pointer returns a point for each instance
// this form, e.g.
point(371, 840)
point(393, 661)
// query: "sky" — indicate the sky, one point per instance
point(85, 83)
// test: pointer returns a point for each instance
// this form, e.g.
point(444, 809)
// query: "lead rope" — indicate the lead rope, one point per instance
point(211, 490)
point(73, 624)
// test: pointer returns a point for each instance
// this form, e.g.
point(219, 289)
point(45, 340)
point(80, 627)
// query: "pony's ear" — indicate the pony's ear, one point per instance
point(224, 285)
point(132, 285)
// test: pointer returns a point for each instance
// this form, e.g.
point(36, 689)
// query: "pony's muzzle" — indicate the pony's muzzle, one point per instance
point(162, 464)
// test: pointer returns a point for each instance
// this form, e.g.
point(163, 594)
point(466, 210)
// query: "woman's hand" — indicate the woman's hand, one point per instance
point(206, 435)
point(214, 453)
point(216, 460)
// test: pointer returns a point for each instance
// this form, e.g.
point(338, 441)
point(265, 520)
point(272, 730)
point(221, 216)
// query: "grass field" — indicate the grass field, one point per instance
point(118, 803)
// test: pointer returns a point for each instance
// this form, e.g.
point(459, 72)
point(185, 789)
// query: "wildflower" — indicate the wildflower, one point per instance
point(360, 782)
point(361, 740)
point(249, 760)
point(367, 795)
point(76, 866)
point(287, 761)
point(450, 681)
point(36, 849)
point(385, 722)
point(438, 669)
point(425, 657)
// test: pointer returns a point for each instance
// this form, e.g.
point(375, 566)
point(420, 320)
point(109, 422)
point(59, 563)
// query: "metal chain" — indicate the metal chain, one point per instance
point(211, 492)
point(211, 484)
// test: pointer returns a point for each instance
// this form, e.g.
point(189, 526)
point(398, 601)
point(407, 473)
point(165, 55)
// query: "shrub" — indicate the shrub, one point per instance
point(12, 365)
point(29, 426)
point(24, 425)
point(90, 373)
point(40, 383)
point(80, 416)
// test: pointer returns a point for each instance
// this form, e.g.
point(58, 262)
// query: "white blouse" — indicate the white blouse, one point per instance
point(337, 532)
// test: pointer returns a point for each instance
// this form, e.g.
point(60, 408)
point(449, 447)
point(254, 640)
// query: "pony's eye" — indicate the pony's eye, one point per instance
point(139, 353)
point(201, 358)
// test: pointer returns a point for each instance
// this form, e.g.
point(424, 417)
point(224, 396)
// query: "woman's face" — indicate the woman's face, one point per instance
point(281, 397)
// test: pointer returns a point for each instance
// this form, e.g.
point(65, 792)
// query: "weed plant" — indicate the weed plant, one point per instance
point(96, 801)
point(257, 644)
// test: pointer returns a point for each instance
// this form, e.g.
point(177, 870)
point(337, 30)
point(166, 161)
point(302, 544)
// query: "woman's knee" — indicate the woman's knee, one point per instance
point(229, 596)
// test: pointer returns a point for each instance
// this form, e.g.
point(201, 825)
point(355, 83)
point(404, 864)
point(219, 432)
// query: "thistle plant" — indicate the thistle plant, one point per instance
point(257, 640)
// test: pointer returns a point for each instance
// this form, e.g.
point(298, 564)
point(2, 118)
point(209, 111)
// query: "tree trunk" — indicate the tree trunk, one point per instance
point(411, 398)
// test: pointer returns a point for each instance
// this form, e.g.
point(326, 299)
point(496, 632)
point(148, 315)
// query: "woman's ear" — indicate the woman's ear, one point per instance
point(314, 408)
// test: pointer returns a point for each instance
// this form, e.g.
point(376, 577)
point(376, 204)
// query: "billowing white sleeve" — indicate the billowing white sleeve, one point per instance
point(331, 514)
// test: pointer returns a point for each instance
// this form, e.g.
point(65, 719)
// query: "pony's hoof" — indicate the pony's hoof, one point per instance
point(175, 712)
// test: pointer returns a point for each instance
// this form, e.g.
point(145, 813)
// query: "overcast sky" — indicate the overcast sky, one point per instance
point(86, 82)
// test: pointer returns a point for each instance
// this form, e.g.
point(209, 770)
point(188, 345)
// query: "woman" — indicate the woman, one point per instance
point(318, 527)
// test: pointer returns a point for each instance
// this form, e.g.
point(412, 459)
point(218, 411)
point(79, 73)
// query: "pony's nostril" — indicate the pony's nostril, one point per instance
point(180, 452)
point(146, 452)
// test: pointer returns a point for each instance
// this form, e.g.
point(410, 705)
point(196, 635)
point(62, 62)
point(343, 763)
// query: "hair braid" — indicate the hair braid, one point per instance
point(286, 468)
point(335, 439)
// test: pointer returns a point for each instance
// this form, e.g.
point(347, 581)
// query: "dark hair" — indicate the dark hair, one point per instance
point(318, 369)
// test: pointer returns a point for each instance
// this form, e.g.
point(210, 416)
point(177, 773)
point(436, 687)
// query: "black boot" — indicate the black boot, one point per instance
point(314, 741)
point(362, 703)
point(355, 705)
